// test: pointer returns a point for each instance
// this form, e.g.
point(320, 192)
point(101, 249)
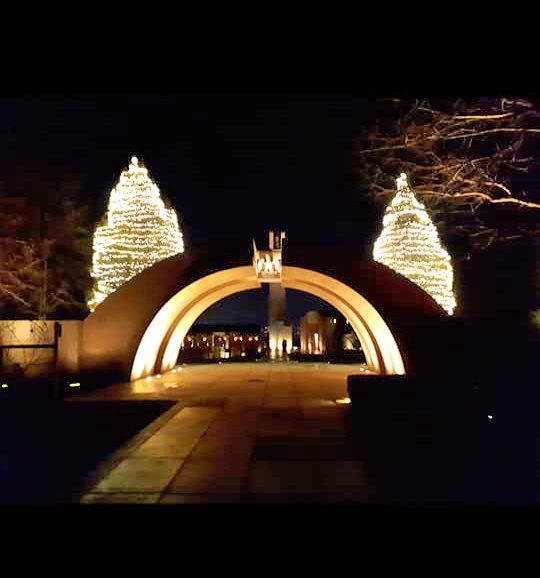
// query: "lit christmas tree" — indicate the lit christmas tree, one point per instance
point(139, 231)
point(409, 244)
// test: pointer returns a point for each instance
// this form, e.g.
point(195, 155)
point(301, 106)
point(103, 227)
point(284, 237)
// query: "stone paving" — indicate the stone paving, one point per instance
point(240, 433)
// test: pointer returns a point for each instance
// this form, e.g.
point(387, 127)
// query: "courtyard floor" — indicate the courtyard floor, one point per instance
point(239, 433)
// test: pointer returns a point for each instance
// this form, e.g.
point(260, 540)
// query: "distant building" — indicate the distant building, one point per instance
point(205, 342)
point(296, 337)
point(280, 340)
point(318, 333)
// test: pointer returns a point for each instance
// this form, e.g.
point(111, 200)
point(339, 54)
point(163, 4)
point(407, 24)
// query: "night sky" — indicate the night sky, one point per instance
point(233, 165)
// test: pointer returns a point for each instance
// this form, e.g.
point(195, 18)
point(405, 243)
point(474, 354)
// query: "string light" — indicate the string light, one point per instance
point(139, 231)
point(410, 244)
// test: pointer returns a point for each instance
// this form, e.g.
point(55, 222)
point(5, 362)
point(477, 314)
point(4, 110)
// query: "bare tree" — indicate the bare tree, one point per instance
point(20, 275)
point(470, 162)
point(44, 249)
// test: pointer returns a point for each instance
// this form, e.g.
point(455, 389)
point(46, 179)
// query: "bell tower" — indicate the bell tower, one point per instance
point(268, 266)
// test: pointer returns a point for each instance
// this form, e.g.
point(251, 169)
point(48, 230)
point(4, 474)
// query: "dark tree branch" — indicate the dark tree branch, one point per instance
point(456, 154)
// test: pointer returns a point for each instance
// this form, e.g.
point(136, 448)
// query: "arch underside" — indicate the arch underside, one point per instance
point(158, 349)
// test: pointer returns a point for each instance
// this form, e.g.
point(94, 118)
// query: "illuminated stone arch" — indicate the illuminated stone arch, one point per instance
point(158, 350)
point(138, 330)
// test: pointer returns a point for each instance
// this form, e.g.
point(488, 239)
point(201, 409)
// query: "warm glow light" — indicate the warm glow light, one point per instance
point(75, 384)
point(343, 401)
point(5, 386)
point(268, 266)
point(173, 321)
point(169, 327)
point(138, 231)
point(410, 244)
point(379, 346)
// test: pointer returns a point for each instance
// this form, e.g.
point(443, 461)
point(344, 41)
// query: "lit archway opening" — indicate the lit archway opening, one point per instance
point(158, 349)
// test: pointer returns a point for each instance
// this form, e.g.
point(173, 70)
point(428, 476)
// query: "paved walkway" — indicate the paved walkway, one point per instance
point(247, 432)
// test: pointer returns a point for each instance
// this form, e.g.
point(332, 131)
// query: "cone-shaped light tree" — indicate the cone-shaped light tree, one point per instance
point(409, 244)
point(139, 230)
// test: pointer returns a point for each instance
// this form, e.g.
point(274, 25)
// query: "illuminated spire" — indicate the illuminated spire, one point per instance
point(138, 232)
point(409, 244)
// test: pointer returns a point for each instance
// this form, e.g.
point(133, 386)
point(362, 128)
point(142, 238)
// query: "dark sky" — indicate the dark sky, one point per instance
point(233, 165)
